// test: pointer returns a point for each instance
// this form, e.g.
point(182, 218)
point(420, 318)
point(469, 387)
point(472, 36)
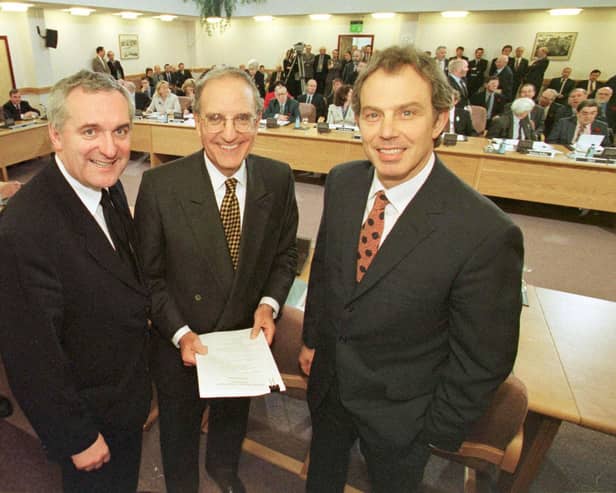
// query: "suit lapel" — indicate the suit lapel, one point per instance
point(354, 204)
point(411, 228)
point(95, 241)
point(202, 214)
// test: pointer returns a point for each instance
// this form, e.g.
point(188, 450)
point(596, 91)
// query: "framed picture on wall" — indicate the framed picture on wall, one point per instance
point(560, 45)
point(347, 41)
point(129, 46)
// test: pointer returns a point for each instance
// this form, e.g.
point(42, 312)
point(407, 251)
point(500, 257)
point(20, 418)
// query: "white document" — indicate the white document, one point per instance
point(237, 366)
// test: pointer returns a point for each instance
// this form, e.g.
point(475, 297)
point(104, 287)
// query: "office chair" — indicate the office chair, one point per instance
point(309, 111)
point(479, 117)
point(495, 441)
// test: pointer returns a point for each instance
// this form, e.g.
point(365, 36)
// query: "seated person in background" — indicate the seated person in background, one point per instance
point(591, 84)
point(164, 101)
point(146, 87)
point(575, 98)
point(282, 107)
point(182, 75)
point(18, 109)
point(568, 130)
point(460, 121)
point(142, 96)
point(563, 85)
point(490, 98)
point(552, 111)
point(607, 107)
point(188, 91)
point(8, 189)
point(336, 84)
point(515, 124)
point(311, 96)
point(341, 112)
point(536, 115)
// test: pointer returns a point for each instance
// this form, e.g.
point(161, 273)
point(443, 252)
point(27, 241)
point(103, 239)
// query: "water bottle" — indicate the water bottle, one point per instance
point(298, 122)
point(591, 151)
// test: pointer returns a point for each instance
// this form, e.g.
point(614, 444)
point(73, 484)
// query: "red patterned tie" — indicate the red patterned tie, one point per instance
point(370, 235)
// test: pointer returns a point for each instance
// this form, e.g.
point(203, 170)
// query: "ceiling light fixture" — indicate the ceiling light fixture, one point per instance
point(129, 15)
point(564, 11)
point(166, 17)
point(79, 11)
point(454, 14)
point(15, 7)
point(263, 18)
point(320, 17)
point(383, 15)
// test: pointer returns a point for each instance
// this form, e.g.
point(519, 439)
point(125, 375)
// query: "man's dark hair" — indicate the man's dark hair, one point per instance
point(13, 91)
point(100, 48)
point(147, 69)
point(507, 46)
point(587, 103)
point(595, 71)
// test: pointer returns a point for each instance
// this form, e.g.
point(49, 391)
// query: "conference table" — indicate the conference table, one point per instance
point(558, 180)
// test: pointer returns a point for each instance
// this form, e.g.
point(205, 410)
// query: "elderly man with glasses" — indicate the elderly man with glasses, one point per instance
point(217, 231)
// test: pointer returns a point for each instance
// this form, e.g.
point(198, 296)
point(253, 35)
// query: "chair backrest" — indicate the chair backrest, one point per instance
point(185, 102)
point(308, 111)
point(285, 348)
point(479, 117)
point(496, 438)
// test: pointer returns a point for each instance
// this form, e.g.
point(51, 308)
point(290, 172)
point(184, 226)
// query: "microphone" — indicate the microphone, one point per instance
point(6, 408)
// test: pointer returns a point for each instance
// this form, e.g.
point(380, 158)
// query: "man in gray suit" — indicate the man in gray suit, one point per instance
point(217, 231)
point(413, 305)
point(98, 62)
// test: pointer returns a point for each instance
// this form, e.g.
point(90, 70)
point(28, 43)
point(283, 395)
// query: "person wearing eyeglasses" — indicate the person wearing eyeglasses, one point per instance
point(217, 232)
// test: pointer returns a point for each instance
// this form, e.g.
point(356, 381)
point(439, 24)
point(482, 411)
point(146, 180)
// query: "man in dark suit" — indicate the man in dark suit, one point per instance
point(182, 74)
point(536, 115)
point(456, 77)
point(18, 109)
point(217, 231)
point(519, 67)
point(515, 123)
point(440, 57)
point(460, 121)
point(476, 71)
point(403, 348)
point(537, 69)
point(568, 130)
point(505, 77)
point(115, 67)
point(351, 69)
point(311, 96)
point(73, 317)
point(563, 85)
point(321, 69)
point(282, 107)
point(258, 79)
point(607, 106)
point(575, 98)
point(490, 99)
point(505, 51)
point(591, 84)
point(552, 111)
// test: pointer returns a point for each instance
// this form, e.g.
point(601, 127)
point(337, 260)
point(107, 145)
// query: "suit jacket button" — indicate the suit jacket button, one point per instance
point(198, 297)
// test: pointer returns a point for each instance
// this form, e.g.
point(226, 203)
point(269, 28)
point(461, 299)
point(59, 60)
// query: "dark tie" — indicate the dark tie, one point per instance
point(117, 230)
point(490, 102)
point(464, 89)
point(231, 222)
point(370, 234)
point(309, 99)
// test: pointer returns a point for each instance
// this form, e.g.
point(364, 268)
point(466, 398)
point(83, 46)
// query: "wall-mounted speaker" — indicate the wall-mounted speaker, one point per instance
point(51, 38)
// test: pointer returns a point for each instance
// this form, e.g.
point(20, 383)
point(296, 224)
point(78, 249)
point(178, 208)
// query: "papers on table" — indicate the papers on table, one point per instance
point(237, 366)
point(585, 141)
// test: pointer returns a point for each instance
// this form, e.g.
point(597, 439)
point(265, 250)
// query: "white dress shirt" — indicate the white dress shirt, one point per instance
point(399, 196)
point(90, 197)
point(219, 188)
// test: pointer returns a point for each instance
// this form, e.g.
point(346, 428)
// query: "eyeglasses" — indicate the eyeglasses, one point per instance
point(216, 122)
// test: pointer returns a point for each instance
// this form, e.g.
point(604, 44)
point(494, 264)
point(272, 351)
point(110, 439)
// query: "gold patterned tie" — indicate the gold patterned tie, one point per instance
point(230, 217)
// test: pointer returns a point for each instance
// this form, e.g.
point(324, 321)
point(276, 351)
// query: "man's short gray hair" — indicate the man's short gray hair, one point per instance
point(89, 82)
point(220, 73)
point(456, 65)
point(522, 105)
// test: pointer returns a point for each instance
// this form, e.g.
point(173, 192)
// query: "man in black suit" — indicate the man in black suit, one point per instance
point(552, 111)
point(282, 107)
point(311, 96)
point(182, 74)
point(457, 80)
point(568, 130)
point(217, 231)
point(459, 54)
point(460, 121)
point(18, 109)
point(476, 71)
point(505, 77)
point(321, 62)
point(536, 114)
point(563, 85)
point(490, 99)
point(537, 69)
point(115, 67)
point(169, 75)
point(515, 123)
point(575, 98)
point(258, 79)
point(607, 106)
point(351, 69)
point(519, 67)
point(74, 311)
point(403, 348)
point(591, 84)
point(505, 51)
point(440, 57)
